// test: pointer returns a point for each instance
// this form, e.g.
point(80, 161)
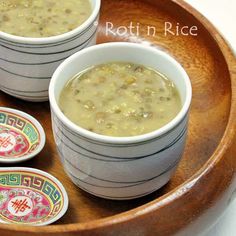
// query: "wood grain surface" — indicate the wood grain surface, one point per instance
point(204, 183)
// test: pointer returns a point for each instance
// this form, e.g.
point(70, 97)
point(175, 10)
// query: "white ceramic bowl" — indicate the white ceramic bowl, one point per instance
point(114, 167)
point(27, 64)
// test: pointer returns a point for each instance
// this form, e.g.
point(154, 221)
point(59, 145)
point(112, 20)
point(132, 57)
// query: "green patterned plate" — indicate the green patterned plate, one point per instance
point(30, 197)
point(21, 136)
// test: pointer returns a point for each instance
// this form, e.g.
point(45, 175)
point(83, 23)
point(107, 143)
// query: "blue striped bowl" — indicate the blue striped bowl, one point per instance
point(126, 167)
point(27, 64)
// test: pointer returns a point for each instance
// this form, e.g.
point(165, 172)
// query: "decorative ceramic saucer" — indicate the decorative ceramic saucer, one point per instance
point(21, 136)
point(30, 197)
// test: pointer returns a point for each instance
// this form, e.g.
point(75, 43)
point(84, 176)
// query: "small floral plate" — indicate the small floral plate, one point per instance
point(21, 136)
point(30, 197)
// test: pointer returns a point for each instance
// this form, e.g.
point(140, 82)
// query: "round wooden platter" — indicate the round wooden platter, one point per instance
point(204, 183)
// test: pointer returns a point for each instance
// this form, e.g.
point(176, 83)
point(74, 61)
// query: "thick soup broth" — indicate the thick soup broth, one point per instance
point(120, 99)
point(42, 18)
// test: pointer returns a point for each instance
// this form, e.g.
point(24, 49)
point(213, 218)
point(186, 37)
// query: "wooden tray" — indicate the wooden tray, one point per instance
point(204, 182)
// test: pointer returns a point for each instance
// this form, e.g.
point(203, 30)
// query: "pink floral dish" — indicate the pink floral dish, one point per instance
point(21, 136)
point(30, 197)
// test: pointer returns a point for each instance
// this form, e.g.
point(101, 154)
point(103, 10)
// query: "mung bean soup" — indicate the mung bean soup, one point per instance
point(42, 18)
point(120, 99)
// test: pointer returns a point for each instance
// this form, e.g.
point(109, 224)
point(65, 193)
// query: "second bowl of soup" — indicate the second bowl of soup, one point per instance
point(120, 115)
point(36, 36)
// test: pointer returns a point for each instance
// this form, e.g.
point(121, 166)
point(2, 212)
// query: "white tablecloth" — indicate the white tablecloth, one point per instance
point(222, 13)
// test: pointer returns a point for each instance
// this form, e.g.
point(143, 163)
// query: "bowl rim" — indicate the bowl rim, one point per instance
point(57, 38)
point(120, 140)
point(38, 127)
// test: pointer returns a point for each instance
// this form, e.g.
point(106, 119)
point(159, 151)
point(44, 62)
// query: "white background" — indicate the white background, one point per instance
point(222, 13)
